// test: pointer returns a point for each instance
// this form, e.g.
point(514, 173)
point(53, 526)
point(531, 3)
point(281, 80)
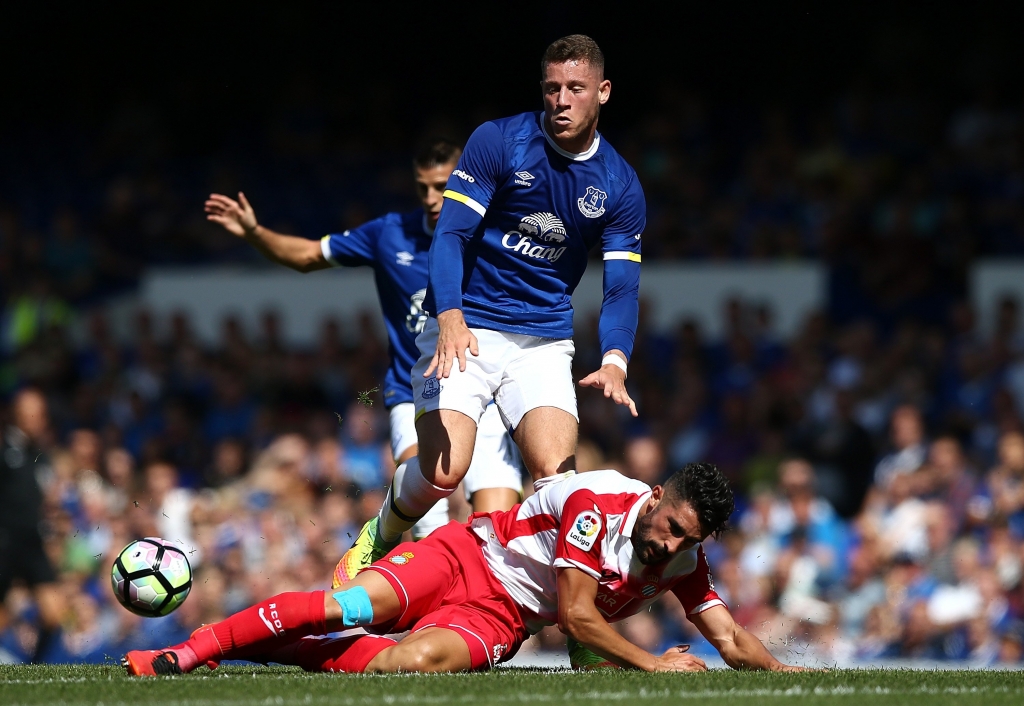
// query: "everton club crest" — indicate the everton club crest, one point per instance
point(592, 204)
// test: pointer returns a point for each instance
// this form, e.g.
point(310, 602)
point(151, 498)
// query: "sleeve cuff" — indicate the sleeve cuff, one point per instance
point(563, 563)
point(325, 248)
point(463, 199)
point(622, 255)
point(707, 604)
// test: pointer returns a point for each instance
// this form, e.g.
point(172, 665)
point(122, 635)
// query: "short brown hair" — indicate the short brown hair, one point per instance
point(436, 152)
point(575, 47)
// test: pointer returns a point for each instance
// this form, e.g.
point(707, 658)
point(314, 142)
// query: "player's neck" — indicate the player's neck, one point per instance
point(577, 146)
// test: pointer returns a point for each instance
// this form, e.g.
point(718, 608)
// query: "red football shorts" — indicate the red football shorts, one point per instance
point(443, 581)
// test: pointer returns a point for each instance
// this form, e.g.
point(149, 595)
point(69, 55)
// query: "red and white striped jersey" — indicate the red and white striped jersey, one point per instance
point(585, 521)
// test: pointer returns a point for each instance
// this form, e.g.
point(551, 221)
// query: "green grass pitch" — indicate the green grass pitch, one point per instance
point(279, 686)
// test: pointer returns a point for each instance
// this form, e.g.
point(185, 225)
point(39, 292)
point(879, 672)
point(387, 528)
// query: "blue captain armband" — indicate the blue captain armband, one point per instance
point(356, 608)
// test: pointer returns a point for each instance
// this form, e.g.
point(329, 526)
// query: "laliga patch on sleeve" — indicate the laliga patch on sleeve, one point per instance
point(584, 530)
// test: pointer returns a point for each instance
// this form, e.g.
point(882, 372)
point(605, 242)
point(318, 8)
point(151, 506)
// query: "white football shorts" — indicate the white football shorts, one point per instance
point(519, 372)
point(496, 460)
point(403, 428)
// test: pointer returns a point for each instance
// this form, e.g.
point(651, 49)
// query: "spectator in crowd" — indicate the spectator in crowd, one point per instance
point(908, 445)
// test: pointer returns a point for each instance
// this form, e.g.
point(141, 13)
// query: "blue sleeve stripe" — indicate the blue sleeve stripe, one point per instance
point(463, 199)
point(325, 248)
point(621, 255)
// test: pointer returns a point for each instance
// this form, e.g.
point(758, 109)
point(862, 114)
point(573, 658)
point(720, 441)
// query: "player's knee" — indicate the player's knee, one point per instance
point(550, 465)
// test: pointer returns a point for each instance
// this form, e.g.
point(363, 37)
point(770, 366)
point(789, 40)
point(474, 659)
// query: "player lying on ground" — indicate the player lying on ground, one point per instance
point(584, 551)
point(396, 247)
point(531, 196)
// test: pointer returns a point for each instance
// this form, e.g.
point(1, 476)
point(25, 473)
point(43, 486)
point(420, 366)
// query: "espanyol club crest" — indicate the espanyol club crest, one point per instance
point(592, 204)
point(648, 590)
point(401, 559)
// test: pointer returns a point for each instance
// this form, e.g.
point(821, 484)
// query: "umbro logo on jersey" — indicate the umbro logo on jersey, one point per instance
point(542, 226)
point(404, 258)
point(524, 178)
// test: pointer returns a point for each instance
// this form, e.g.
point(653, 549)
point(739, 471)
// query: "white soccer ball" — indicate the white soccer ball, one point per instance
point(151, 577)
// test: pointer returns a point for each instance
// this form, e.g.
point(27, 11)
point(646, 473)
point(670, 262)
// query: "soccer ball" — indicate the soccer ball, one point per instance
point(151, 577)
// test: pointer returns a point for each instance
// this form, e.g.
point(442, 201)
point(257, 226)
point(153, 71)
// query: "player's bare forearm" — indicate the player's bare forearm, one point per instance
point(579, 618)
point(239, 218)
point(612, 379)
point(300, 254)
point(738, 648)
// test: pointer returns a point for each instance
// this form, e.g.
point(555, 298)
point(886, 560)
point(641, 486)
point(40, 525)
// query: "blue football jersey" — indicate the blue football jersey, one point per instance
point(512, 260)
point(396, 247)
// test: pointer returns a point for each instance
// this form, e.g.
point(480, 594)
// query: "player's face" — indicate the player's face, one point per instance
point(666, 530)
point(573, 95)
point(430, 183)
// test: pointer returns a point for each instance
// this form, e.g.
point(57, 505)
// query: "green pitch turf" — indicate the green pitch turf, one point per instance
point(279, 686)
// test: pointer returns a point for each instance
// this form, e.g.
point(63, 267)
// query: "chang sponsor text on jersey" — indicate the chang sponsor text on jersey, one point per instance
point(520, 216)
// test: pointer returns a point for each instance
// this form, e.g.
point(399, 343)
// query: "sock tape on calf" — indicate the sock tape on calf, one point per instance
point(356, 608)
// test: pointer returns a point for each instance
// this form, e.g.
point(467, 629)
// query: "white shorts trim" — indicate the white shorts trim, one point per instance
point(519, 372)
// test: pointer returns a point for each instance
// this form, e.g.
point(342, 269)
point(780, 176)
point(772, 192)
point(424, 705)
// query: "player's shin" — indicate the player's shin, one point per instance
point(410, 498)
point(265, 627)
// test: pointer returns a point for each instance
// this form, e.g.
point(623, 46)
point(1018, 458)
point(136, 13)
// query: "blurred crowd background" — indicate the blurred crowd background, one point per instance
point(880, 479)
point(877, 455)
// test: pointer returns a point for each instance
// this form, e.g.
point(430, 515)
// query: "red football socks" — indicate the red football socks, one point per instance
point(261, 629)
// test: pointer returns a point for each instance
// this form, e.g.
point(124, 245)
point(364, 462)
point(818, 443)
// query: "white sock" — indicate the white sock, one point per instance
point(436, 517)
point(411, 496)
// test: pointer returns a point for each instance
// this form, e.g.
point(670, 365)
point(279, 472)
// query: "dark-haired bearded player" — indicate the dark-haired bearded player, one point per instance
point(584, 551)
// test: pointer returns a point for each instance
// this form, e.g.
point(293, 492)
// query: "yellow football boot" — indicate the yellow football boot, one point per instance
point(367, 548)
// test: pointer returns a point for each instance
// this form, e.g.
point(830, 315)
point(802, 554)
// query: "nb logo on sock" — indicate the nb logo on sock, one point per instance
point(275, 627)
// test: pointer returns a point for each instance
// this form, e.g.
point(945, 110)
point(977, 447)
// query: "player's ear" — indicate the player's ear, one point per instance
point(657, 493)
point(604, 91)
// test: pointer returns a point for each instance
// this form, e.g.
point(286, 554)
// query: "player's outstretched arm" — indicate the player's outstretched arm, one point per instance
point(579, 618)
point(738, 648)
point(612, 379)
point(239, 219)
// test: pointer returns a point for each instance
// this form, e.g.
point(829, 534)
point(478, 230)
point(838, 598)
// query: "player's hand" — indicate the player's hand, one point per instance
point(793, 668)
point(237, 217)
point(676, 659)
point(453, 338)
point(612, 380)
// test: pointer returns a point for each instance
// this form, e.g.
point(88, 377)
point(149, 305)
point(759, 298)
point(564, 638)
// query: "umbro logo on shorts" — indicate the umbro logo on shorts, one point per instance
point(431, 388)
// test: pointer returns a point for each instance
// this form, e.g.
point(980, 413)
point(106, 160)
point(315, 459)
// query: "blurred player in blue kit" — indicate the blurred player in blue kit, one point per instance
point(529, 198)
point(396, 247)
